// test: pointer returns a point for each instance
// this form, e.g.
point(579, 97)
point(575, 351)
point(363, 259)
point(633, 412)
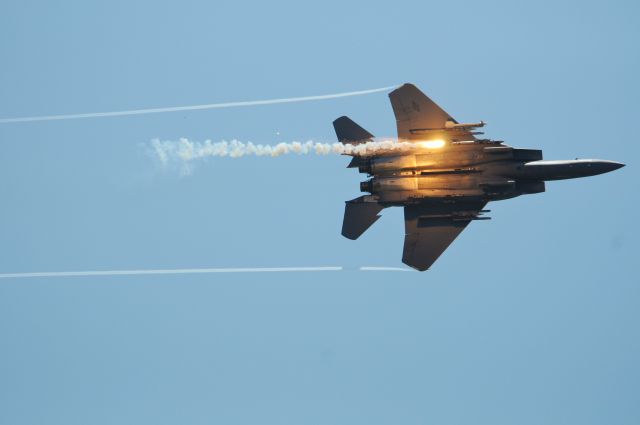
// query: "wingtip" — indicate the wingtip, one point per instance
point(417, 267)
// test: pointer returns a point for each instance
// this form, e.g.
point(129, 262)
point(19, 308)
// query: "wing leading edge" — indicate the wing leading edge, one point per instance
point(430, 229)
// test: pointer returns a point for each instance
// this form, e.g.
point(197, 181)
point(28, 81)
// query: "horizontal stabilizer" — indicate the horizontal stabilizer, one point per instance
point(356, 162)
point(349, 132)
point(359, 215)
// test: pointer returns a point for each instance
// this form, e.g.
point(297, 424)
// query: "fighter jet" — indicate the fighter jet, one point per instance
point(445, 178)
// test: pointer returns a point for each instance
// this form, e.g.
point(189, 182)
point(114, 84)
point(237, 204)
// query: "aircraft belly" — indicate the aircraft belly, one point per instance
point(428, 183)
point(399, 197)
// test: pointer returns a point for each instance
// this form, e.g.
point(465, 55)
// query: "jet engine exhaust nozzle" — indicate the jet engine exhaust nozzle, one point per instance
point(366, 186)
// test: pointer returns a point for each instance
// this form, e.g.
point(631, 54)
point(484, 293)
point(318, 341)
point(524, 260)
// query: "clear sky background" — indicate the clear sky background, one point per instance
point(530, 318)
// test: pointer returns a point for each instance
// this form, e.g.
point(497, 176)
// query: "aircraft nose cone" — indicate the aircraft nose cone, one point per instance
point(600, 166)
point(612, 165)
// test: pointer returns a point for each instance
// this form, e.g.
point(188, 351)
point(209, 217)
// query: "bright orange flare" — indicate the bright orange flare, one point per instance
point(431, 144)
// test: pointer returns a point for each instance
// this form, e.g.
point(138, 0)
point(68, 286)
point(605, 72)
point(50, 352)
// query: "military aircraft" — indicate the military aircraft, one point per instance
point(446, 177)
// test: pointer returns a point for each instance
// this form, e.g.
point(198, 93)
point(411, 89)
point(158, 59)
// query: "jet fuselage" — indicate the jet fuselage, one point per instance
point(442, 175)
point(479, 170)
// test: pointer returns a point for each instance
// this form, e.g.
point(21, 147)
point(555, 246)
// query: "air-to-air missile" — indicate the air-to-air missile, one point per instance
point(445, 177)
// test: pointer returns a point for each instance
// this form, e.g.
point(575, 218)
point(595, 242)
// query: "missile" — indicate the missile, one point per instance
point(450, 125)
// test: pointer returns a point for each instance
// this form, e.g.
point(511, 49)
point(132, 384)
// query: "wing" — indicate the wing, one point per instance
point(420, 118)
point(430, 229)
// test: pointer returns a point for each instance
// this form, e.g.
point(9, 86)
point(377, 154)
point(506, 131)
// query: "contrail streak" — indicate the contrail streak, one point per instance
point(29, 275)
point(385, 269)
point(194, 107)
point(170, 271)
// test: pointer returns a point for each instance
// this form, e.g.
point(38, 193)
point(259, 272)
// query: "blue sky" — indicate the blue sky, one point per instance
point(529, 318)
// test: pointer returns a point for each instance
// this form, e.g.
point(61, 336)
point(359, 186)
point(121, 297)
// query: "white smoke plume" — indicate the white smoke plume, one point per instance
point(184, 152)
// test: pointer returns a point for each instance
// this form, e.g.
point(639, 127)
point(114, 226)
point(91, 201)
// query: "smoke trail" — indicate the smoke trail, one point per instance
point(194, 107)
point(169, 271)
point(184, 151)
